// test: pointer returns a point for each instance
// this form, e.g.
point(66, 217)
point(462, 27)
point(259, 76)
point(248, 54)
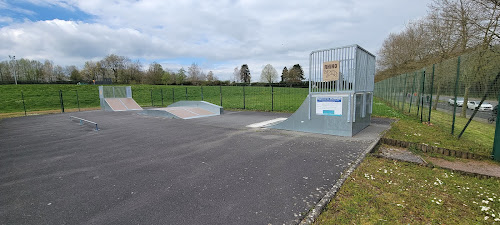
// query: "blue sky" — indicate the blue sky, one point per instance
point(218, 35)
point(24, 10)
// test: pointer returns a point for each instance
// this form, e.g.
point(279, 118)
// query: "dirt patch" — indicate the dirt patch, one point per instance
point(466, 165)
point(35, 113)
point(471, 166)
point(400, 154)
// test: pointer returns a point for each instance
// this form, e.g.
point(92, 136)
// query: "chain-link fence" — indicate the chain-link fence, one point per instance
point(35, 98)
point(283, 99)
point(429, 94)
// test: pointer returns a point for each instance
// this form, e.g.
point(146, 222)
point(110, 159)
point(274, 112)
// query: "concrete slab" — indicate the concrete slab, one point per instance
point(148, 170)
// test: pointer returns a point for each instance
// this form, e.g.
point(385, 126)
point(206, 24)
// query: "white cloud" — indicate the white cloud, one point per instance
point(224, 33)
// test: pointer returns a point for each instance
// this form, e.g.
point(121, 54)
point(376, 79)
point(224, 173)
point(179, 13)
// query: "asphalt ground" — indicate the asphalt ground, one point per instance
point(146, 170)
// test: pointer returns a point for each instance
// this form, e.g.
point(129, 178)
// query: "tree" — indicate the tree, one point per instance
point(74, 74)
point(245, 74)
point(154, 73)
point(114, 65)
point(194, 73)
point(48, 70)
point(210, 77)
point(296, 74)
point(59, 73)
point(133, 73)
point(90, 71)
point(181, 76)
point(284, 74)
point(236, 75)
point(268, 74)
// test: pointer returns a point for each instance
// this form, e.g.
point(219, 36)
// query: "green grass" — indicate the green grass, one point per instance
point(41, 97)
point(478, 137)
point(383, 191)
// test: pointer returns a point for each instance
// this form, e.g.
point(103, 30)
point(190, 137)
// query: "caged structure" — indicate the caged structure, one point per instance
point(341, 83)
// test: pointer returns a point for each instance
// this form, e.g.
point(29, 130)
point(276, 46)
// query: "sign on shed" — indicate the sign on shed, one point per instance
point(331, 71)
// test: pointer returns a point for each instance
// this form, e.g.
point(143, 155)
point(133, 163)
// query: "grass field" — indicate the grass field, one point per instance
point(382, 191)
point(46, 97)
point(478, 137)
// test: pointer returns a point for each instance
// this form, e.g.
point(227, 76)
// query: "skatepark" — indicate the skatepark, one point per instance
point(188, 163)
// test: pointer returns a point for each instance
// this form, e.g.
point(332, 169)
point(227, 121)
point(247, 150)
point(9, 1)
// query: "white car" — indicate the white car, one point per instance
point(460, 101)
point(484, 107)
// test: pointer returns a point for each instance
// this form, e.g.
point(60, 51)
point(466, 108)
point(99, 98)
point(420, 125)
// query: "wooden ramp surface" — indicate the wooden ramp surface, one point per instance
point(122, 104)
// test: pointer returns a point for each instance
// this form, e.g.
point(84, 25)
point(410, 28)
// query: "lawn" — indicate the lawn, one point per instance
point(40, 97)
point(478, 137)
point(382, 191)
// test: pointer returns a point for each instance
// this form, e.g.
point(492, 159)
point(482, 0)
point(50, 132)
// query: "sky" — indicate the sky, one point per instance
point(217, 35)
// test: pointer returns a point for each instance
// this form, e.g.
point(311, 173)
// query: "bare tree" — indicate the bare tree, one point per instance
point(269, 74)
point(194, 73)
point(236, 75)
point(211, 77)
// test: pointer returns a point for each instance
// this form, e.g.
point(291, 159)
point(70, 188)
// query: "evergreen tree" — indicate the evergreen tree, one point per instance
point(245, 73)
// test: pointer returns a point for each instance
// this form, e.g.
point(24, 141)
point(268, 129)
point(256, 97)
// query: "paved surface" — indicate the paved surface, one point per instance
point(146, 170)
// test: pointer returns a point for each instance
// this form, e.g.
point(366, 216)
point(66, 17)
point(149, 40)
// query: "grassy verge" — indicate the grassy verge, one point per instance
point(478, 138)
point(384, 191)
point(40, 97)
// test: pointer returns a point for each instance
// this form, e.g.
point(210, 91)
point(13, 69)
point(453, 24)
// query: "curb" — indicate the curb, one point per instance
point(433, 149)
point(313, 214)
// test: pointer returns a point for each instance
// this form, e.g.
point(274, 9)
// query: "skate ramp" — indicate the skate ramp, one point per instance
point(185, 110)
point(121, 104)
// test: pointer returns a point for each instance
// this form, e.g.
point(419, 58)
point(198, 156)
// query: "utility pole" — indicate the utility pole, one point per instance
point(13, 58)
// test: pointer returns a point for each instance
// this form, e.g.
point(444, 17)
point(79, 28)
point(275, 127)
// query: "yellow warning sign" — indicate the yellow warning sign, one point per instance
point(331, 70)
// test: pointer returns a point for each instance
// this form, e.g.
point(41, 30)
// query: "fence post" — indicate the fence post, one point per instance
point(456, 93)
point(161, 91)
point(432, 90)
point(244, 97)
point(152, 97)
point(173, 95)
point(220, 93)
point(272, 98)
point(496, 141)
point(405, 94)
point(412, 90)
point(77, 100)
point(422, 97)
point(201, 93)
point(186, 93)
point(62, 101)
point(24, 105)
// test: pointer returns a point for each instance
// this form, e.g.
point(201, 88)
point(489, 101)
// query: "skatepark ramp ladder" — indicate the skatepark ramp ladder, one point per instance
point(185, 110)
point(117, 98)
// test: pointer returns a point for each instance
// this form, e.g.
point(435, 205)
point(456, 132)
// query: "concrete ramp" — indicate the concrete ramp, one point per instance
point(186, 110)
point(121, 104)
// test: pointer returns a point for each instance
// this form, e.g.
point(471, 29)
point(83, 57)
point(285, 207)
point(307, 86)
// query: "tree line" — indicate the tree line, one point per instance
point(120, 69)
point(451, 28)
point(466, 28)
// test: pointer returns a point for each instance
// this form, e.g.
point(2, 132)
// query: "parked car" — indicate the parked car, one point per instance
point(484, 107)
point(460, 101)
